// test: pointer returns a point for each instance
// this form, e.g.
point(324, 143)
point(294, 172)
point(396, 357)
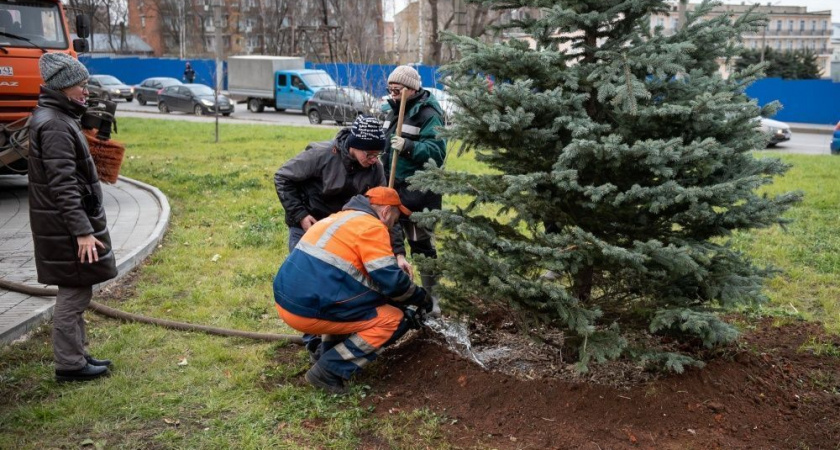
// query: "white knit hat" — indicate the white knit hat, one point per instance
point(406, 76)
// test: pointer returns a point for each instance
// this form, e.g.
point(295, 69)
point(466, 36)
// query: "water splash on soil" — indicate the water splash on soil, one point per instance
point(457, 337)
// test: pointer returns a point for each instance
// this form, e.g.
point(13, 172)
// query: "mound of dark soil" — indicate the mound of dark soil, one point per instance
point(765, 393)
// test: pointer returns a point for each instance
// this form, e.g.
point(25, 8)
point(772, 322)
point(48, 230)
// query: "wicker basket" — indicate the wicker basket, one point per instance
point(107, 155)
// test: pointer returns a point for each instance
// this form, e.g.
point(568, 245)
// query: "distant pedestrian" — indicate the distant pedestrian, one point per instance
point(189, 74)
point(69, 229)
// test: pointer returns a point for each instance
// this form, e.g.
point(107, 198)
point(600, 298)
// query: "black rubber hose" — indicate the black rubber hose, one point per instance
point(130, 317)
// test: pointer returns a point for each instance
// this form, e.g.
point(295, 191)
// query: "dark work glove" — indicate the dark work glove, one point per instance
point(414, 318)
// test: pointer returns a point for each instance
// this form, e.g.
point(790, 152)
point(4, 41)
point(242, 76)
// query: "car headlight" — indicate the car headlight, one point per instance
point(132, 90)
point(115, 91)
point(206, 102)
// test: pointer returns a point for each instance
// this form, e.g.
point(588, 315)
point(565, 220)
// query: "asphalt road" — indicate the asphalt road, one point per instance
point(812, 143)
point(242, 115)
point(816, 143)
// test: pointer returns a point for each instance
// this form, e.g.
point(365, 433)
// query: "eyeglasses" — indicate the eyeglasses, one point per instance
point(372, 155)
point(395, 90)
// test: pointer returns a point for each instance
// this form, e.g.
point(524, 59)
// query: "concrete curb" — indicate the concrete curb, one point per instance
point(813, 129)
point(124, 264)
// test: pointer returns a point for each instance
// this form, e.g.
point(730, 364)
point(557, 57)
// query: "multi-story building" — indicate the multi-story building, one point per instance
point(789, 28)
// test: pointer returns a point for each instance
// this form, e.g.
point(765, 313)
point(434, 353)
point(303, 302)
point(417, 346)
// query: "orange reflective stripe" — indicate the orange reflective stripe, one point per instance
point(375, 331)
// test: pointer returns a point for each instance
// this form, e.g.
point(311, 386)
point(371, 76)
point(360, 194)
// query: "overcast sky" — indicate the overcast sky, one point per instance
point(394, 6)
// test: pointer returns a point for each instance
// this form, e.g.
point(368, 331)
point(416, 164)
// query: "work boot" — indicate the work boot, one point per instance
point(313, 347)
point(97, 362)
point(86, 373)
point(429, 282)
point(323, 379)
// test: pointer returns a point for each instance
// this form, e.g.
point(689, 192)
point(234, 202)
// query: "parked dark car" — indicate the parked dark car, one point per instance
point(150, 88)
point(194, 98)
point(107, 87)
point(341, 104)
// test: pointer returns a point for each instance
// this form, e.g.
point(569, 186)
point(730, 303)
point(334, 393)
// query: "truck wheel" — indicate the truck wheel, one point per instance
point(255, 105)
point(314, 117)
point(141, 100)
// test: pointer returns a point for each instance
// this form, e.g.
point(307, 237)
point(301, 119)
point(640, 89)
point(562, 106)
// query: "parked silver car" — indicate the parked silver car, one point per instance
point(777, 132)
point(107, 87)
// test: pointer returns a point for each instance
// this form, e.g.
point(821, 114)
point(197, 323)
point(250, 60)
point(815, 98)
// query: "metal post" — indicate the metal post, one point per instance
point(219, 49)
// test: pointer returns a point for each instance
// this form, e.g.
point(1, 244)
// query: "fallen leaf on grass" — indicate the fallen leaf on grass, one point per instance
point(215, 257)
point(183, 362)
point(87, 442)
point(174, 422)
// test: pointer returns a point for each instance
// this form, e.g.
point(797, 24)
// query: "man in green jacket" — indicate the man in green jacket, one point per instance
point(417, 143)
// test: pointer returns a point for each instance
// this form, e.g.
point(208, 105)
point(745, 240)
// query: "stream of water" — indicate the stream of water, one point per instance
point(457, 337)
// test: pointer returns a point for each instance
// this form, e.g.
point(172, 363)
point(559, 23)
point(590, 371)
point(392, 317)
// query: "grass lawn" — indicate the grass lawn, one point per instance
point(226, 239)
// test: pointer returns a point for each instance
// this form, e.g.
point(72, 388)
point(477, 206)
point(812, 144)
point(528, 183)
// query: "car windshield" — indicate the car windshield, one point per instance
point(168, 81)
point(108, 80)
point(318, 79)
point(38, 21)
point(201, 90)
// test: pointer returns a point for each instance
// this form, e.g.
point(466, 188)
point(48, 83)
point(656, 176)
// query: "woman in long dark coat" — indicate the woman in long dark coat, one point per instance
point(69, 230)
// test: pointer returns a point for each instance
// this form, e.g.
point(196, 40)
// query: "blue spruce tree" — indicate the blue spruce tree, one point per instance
point(621, 162)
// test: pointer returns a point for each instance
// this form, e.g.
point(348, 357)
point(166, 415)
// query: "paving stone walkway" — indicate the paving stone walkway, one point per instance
point(138, 215)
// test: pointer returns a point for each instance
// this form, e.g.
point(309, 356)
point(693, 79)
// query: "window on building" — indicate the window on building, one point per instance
point(790, 25)
point(778, 25)
point(801, 25)
point(790, 45)
point(813, 25)
point(753, 44)
point(142, 21)
point(660, 22)
point(778, 45)
point(825, 24)
point(676, 24)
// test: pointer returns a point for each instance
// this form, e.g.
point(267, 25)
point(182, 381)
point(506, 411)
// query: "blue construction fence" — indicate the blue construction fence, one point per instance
point(132, 70)
point(804, 101)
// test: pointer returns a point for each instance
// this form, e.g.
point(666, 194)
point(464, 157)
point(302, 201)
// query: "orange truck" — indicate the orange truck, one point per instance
point(28, 29)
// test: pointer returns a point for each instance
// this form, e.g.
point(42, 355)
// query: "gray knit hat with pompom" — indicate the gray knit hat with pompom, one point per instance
point(61, 71)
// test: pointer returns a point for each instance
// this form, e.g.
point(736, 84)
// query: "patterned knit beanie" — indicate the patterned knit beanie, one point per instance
point(366, 134)
point(406, 76)
point(61, 71)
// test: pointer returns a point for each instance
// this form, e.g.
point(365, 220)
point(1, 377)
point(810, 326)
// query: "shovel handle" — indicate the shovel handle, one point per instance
point(398, 132)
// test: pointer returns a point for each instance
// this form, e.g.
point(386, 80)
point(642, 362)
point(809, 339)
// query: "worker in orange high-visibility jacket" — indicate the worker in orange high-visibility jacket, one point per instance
point(342, 281)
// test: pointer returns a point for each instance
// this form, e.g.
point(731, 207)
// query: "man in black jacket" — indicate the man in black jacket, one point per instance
point(321, 180)
point(69, 229)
